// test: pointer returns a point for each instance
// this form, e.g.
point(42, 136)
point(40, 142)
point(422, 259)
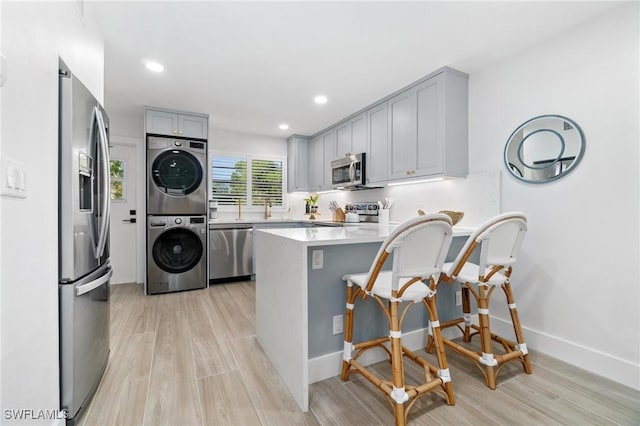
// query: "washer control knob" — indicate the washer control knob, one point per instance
point(178, 221)
point(177, 143)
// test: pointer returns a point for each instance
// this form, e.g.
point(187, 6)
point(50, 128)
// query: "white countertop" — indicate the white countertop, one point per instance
point(348, 234)
point(261, 221)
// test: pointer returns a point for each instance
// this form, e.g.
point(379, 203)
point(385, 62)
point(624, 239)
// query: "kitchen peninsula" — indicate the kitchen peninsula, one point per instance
point(299, 290)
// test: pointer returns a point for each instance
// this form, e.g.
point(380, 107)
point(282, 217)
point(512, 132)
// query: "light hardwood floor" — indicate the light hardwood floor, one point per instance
point(191, 358)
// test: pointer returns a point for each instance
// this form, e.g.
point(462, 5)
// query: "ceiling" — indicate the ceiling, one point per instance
point(254, 65)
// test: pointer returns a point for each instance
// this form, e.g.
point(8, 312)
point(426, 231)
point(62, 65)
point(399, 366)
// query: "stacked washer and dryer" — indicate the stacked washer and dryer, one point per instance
point(176, 214)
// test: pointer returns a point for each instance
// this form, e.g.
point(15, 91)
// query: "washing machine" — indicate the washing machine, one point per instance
point(176, 176)
point(176, 253)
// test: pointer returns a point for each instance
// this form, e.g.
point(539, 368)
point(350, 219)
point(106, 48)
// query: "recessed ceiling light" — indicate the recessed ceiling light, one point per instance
point(154, 66)
point(320, 99)
point(283, 126)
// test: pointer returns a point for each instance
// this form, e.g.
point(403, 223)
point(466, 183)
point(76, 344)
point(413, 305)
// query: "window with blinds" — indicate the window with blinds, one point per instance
point(248, 179)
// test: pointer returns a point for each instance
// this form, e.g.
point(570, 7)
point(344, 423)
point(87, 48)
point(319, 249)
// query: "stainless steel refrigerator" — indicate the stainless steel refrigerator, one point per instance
point(83, 243)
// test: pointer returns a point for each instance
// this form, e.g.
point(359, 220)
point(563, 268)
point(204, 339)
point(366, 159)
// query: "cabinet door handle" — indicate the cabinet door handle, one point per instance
point(175, 132)
point(180, 132)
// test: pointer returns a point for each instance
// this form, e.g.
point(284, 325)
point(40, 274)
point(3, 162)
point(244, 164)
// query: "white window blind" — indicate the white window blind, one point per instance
point(229, 180)
point(266, 182)
point(251, 180)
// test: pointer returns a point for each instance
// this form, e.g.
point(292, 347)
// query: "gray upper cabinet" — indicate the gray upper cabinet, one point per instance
point(316, 164)
point(171, 123)
point(358, 134)
point(297, 163)
point(419, 131)
point(343, 139)
point(329, 141)
point(376, 120)
point(428, 128)
point(401, 120)
point(351, 136)
point(321, 154)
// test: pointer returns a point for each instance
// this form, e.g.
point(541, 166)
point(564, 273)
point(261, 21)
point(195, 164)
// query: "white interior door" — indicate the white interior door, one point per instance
point(123, 213)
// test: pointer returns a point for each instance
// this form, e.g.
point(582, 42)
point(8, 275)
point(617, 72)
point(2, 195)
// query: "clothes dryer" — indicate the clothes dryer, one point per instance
point(176, 253)
point(176, 176)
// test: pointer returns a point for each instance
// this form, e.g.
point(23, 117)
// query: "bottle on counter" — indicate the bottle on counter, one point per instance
point(307, 208)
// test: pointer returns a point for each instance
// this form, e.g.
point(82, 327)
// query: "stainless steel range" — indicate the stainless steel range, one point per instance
point(367, 211)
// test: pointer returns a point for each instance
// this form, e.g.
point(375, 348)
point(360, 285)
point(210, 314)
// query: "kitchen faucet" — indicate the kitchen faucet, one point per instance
point(267, 204)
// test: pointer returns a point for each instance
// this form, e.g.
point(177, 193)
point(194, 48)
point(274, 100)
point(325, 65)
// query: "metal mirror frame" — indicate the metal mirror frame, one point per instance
point(517, 173)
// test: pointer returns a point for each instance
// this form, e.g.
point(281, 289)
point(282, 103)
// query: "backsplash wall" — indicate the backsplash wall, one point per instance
point(478, 196)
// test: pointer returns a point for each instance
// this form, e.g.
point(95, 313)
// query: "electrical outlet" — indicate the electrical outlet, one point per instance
point(459, 298)
point(337, 324)
point(317, 259)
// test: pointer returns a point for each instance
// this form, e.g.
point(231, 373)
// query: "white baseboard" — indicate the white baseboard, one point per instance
point(602, 364)
point(596, 362)
point(329, 365)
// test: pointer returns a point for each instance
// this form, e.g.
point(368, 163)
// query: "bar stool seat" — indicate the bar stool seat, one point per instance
point(470, 272)
point(382, 287)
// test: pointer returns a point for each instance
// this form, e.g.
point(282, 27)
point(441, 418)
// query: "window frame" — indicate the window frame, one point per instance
point(118, 179)
point(249, 199)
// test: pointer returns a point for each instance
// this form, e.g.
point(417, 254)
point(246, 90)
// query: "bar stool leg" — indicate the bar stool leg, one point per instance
point(437, 341)
point(348, 333)
point(398, 394)
point(517, 328)
point(466, 311)
point(487, 358)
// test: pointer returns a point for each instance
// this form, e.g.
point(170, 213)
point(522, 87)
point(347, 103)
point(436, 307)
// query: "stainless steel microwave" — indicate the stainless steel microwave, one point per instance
point(350, 172)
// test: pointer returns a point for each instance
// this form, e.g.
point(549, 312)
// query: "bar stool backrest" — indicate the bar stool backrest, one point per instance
point(500, 239)
point(419, 247)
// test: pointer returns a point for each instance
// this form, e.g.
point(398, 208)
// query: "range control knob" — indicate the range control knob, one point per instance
point(178, 221)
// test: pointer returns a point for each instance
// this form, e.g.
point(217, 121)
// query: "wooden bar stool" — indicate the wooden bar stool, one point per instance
point(419, 248)
point(500, 239)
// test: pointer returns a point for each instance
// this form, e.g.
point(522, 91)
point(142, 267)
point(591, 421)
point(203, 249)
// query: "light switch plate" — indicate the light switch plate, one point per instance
point(14, 178)
point(3, 69)
point(317, 259)
point(338, 324)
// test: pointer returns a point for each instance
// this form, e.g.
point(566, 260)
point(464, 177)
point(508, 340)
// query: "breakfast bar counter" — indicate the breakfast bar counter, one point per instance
point(299, 291)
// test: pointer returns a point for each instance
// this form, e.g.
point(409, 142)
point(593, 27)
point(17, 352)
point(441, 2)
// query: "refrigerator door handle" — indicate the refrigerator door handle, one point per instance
point(86, 288)
point(106, 198)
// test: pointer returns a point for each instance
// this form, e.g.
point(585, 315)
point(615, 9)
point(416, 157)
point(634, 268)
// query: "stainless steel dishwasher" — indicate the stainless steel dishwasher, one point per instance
point(230, 251)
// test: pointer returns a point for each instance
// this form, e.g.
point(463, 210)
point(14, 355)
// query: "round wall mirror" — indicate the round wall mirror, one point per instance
point(544, 148)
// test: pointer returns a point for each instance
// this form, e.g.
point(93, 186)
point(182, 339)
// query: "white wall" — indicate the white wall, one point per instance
point(229, 142)
point(33, 36)
point(221, 140)
point(577, 282)
point(1, 91)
